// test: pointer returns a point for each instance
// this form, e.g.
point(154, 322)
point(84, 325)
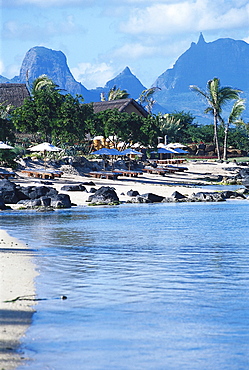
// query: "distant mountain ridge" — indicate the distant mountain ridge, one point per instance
point(226, 59)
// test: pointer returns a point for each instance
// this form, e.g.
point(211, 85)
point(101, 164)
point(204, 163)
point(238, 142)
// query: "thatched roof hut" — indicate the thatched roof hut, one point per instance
point(122, 105)
point(14, 94)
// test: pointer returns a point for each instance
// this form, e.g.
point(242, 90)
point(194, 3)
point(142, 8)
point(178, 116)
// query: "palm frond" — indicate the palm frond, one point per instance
point(237, 109)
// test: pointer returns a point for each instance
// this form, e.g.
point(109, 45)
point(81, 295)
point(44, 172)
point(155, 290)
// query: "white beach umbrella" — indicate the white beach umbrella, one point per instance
point(45, 147)
point(175, 145)
point(5, 146)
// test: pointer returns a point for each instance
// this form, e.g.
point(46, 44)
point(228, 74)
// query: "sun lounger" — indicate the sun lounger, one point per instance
point(105, 175)
point(128, 173)
point(156, 170)
point(6, 175)
point(43, 174)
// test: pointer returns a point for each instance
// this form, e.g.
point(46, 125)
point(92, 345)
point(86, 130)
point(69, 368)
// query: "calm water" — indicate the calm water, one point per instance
point(163, 286)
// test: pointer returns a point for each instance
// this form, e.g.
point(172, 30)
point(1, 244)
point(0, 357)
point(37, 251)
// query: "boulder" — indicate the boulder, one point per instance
point(139, 199)
point(2, 204)
point(146, 198)
point(207, 197)
point(105, 194)
point(35, 192)
point(176, 197)
point(30, 203)
point(89, 183)
point(92, 190)
point(8, 191)
point(61, 201)
point(78, 187)
point(153, 198)
point(228, 194)
point(132, 193)
point(213, 178)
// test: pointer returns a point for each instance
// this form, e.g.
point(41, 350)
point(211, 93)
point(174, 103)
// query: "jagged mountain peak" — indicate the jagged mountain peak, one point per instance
point(40, 60)
point(126, 80)
point(226, 59)
point(201, 40)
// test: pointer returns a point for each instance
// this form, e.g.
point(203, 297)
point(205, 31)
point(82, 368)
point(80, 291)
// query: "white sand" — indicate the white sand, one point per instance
point(190, 181)
point(17, 274)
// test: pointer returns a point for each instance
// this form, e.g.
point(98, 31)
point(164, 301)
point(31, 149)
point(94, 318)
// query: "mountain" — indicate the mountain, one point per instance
point(126, 81)
point(226, 59)
point(40, 60)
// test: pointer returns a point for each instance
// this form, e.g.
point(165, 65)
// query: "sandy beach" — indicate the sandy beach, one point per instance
point(18, 271)
point(188, 182)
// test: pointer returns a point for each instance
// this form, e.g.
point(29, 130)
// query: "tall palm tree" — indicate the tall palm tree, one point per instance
point(216, 97)
point(146, 97)
point(115, 94)
point(234, 118)
point(168, 125)
point(43, 82)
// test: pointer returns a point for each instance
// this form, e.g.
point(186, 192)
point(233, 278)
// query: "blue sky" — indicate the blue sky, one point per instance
point(101, 37)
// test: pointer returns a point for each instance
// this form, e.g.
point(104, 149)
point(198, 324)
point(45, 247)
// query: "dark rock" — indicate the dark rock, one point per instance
point(30, 203)
point(212, 178)
point(139, 199)
point(35, 192)
point(8, 191)
point(78, 187)
point(92, 190)
point(105, 194)
point(61, 201)
point(2, 204)
point(132, 193)
point(207, 197)
point(228, 194)
point(153, 198)
point(45, 201)
point(176, 197)
point(90, 183)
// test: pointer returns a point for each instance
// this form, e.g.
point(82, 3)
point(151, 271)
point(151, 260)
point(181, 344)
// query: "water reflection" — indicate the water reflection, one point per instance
point(152, 286)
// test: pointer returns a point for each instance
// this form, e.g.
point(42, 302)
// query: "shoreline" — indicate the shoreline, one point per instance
point(188, 182)
point(17, 279)
point(18, 271)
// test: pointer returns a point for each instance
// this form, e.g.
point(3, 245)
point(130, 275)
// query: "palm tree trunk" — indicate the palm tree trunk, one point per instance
point(225, 143)
point(216, 140)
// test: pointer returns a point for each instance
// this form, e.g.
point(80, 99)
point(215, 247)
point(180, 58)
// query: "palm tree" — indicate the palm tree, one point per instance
point(234, 118)
point(216, 97)
point(115, 94)
point(43, 82)
point(168, 125)
point(146, 97)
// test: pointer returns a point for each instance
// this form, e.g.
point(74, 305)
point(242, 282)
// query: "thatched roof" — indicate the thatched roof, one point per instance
point(122, 105)
point(13, 94)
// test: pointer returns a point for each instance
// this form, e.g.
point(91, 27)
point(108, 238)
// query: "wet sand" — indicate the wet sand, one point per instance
point(17, 274)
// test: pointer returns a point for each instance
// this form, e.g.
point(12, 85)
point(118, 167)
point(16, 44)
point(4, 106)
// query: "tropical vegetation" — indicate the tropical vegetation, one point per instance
point(216, 97)
point(66, 120)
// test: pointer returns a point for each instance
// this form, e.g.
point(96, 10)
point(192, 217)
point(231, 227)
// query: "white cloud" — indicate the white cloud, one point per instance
point(9, 71)
point(29, 31)
point(1, 67)
point(185, 16)
point(134, 51)
point(92, 75)
point(47, 3)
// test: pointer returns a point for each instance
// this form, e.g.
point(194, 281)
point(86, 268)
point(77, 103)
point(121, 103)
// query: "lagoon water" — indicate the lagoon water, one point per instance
point(151, 286)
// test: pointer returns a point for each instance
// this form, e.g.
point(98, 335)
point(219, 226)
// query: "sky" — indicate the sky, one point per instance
point(101, 37)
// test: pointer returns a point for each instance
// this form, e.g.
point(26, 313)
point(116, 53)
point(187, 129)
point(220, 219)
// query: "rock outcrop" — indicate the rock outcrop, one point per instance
point(32, 196)
point(104, 195)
